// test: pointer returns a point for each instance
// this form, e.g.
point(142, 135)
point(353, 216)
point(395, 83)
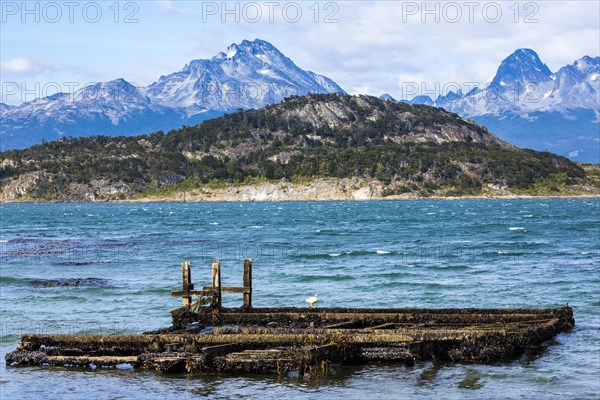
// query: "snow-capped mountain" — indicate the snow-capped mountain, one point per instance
point(116, 100)
point(530, 106)
point(522, 66)
point(108, 108)
point(525, 103)
point(249, 75)
point(524, 85)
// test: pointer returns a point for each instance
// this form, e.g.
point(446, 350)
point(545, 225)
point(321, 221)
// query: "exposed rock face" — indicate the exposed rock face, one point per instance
point(19, 187)
point(318, 189)
point(348, 113)
point(8, 163)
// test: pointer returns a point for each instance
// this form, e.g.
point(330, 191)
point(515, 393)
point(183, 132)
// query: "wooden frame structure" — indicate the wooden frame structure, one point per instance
point(213, 294)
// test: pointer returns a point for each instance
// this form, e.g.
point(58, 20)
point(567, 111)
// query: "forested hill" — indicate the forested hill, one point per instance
point(408, 148)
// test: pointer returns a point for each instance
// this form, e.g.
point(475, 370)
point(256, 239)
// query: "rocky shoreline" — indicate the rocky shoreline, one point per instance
point(323, 189)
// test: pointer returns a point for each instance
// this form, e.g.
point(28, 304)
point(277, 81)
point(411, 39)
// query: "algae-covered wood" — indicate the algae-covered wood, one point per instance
point(283, 340)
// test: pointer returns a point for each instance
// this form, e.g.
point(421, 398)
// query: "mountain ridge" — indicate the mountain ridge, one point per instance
point(395, 147)
point(251, 75)
point(524, 103)
point(525, 98)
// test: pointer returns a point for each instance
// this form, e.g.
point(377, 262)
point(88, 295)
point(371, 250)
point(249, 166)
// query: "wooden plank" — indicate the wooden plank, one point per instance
point(186, 300)
point(216, 283)
point(256, 355)
point(142, 343)
point(389, 325)
point(219, 350)
point(185, 275)
point(178, 293)
point(219, 330)
point(457, 312)
point(248, 283)
point(88, 360)
point(341, 325)
point(234, 289)
point(335, 316)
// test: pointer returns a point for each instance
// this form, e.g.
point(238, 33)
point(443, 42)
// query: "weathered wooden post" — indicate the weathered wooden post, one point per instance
point(247, 283)
point(216, 284)
point(187, 286)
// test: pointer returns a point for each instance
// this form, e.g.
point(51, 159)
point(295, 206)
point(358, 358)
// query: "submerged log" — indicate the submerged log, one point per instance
point(305, 341)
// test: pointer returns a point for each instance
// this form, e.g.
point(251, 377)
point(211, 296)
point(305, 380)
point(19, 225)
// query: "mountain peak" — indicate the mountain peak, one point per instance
point(256, 43)
point(421, 99)
point(586, 64)
point(115, 84)
point(250, 74)
point(253, 48)
point(118, 86)
point(119, 82)
point(522, 67)
point(526, 52)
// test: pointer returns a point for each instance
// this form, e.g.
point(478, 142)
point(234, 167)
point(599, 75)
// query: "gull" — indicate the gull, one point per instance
point(312, 301)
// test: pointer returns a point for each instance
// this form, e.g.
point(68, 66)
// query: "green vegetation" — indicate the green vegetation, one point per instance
point(410, 149)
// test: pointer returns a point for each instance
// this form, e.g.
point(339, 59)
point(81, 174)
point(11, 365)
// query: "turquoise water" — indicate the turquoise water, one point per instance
point(483, 253)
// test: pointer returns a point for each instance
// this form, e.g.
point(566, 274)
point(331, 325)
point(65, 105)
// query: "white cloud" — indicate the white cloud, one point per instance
point(168, 7)
point(376, 45)
point(373, 48)
point(20, 66)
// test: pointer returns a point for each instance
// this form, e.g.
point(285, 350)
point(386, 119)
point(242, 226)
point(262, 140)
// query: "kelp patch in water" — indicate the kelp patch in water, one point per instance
point(73, 282)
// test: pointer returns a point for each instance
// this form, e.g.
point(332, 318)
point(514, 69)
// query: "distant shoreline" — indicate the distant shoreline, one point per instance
point(318, 190)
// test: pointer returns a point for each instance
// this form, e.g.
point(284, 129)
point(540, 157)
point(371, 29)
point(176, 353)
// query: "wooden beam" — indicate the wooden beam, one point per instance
point(387, 325)
point(186, 280)
point(155, 343)
point(219, 350)
point(341, 325)
point(234, 289)
point(178, 293)
point(248, 283)
point(216, 283)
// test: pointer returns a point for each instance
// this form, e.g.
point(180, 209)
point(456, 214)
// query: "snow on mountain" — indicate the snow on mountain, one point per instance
point(528, 105)
point(251, 74)
point(5, 107)
point(108, 108)
point(522, 66)
point(116, 100)
point(524, 85)
point(524, 103)
point(329, 85)
point(422, 99)
point(578, 85)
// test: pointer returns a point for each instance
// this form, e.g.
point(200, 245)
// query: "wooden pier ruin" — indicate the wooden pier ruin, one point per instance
point(206, 337)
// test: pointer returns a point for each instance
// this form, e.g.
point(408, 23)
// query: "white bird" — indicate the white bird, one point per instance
point(312, 301)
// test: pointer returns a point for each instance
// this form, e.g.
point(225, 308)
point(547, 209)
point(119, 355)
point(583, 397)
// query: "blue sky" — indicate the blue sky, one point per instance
point(366, 47)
